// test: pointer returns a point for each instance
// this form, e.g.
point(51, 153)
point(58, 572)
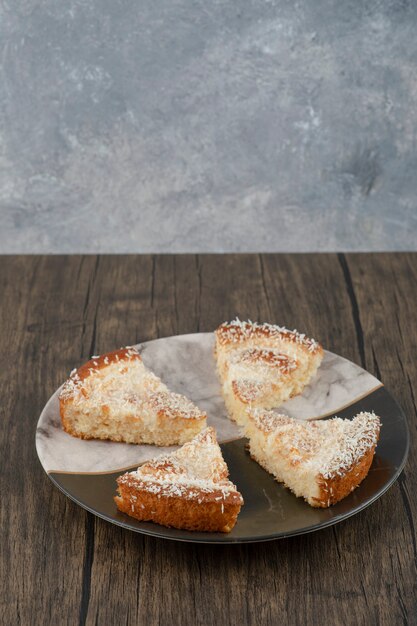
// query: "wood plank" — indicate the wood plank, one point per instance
point(385, 286)
point(43, 531)
point(65, 566)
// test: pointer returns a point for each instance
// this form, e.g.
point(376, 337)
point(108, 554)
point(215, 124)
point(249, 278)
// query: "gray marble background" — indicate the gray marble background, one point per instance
point(195, 125)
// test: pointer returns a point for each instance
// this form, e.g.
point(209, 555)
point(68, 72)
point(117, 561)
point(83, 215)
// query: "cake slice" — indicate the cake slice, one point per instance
point(321, 461)
point(116, 397)
point(262, 365)
point(186, 489)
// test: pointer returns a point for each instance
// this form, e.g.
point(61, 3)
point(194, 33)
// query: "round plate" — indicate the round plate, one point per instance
point(86, 471)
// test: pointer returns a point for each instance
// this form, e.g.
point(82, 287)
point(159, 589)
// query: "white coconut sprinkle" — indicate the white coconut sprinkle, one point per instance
point(195, 471)
point(326, 447)
point(124, 384)
point(241, 331)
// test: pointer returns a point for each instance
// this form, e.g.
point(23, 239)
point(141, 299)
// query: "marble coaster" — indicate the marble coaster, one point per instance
point(186, 364)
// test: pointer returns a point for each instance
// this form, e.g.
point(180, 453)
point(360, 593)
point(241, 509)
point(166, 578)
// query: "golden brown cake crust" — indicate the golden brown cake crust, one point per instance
point(188, 488)
point(338, 487)
point(208, 516)
point(104, 360)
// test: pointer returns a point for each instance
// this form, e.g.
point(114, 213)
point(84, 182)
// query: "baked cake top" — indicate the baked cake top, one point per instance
point(239, 332)
point(326, 447)
point(121, 381)
point(196, 471)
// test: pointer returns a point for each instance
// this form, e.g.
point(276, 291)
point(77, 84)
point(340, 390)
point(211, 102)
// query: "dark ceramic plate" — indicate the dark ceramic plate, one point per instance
point(270, 510)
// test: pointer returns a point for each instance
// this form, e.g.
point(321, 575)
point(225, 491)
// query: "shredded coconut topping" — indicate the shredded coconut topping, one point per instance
point(238, 331)
point(172, 405)
point(119, 381)
point(263, 364)
point(194, 471)
point(327, 447)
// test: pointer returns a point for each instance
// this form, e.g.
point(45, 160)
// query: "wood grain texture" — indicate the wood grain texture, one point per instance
point(61, 565)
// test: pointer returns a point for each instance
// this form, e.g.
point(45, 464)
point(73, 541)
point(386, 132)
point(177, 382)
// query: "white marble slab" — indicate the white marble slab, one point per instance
point(186, 364)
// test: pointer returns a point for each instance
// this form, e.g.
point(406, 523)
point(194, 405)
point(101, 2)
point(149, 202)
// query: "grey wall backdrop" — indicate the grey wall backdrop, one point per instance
point(196, 125)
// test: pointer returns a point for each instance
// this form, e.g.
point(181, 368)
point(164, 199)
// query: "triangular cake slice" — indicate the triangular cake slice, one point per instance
point(116, 397)
point(321, 460)
point(262, 365)
point(186, 489)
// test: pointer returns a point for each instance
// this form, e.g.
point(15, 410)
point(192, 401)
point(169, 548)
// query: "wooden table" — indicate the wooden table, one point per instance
point(62, 565)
